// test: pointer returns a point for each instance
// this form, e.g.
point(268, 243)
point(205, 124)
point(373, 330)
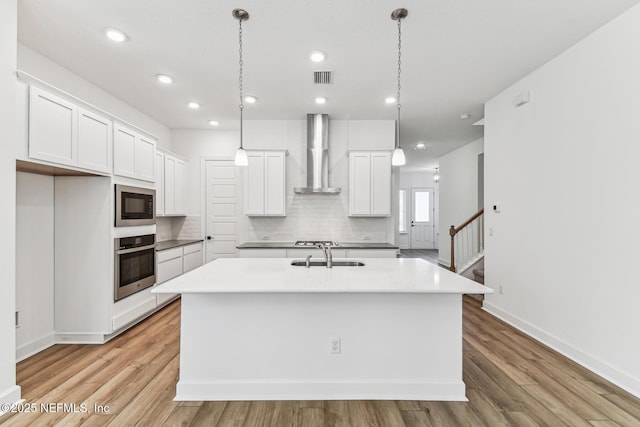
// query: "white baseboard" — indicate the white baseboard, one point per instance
point(10, 396)
point(617, 377)
point(321, 390)
point(35, 346)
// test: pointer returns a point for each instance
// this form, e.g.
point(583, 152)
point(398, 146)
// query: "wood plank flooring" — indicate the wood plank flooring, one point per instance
point(430, 255)
point(511, 380)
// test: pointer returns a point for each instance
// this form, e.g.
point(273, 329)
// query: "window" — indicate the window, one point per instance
point(421, 203)
point(402, 212)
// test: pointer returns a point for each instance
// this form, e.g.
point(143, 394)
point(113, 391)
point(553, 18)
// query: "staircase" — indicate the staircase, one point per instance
point(467, 249)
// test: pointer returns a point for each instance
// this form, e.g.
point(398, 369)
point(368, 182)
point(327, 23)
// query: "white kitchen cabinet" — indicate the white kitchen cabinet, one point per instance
point(314, 252)
point(174, 262)
point(192, 257)
point(133, 154)
point(95, 141)
point(53, 128)
point(174, 171)
point(159, 183)
point(369, 183)
point(64, 133)
point(262, 253)
point(265, 183)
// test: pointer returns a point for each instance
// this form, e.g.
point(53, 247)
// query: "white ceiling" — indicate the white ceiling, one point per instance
point(456, 55)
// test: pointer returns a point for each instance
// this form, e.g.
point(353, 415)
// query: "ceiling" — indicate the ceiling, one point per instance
point(456, 54)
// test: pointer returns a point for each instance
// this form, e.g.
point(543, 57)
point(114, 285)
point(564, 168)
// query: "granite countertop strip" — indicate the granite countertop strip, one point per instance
point(170, 244)
point(290, 245)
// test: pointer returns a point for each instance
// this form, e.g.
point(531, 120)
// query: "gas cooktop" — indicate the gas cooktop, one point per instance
point(306, 243)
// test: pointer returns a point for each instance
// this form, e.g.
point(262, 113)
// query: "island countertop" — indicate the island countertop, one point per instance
point(291, 245)
point(277, 275)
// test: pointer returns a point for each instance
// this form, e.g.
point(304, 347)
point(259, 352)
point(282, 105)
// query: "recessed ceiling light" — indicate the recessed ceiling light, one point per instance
point(251, 99)
point(321, 100)
point(420, 146)
point(163, 78)
point(193, 105)
point(390, 100)
point(464, 116)
point(116, 35)
point(214, 122)
point(317, 56)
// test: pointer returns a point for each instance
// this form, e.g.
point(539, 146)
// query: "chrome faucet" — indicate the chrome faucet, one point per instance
point(307, 263)
point(326, 250)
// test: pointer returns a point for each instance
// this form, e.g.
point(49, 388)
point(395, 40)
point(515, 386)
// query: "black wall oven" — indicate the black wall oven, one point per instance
point(135, 264)
point(135, 206)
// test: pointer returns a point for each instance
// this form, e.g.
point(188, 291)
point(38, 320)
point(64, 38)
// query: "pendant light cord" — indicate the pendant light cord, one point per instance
point(398, 105)
point(240, 78)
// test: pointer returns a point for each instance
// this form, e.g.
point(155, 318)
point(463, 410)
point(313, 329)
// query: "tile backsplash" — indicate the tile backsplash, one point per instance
point(178, 228)
point(321, 217)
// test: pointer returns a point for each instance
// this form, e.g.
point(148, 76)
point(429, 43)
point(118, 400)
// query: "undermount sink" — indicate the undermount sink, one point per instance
point(323, 263)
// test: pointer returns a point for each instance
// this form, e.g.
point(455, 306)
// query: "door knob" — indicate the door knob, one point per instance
point(209, 237)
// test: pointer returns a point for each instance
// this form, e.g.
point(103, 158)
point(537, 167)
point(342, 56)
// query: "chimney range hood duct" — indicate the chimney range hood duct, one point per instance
point(317, 156)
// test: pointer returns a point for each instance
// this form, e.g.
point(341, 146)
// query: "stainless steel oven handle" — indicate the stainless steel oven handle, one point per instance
point(136, 249)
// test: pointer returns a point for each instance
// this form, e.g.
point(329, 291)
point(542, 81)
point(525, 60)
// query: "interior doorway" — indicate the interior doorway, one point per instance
point(422, 218)
point(221, 208)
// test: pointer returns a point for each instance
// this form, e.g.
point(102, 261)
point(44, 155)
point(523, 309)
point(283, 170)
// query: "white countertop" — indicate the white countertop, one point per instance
point(277, 275)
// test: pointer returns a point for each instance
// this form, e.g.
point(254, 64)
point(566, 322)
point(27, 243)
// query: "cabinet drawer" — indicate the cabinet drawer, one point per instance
point(168, 254)
point(191, 261)
point(169, 269)
point(195, 247)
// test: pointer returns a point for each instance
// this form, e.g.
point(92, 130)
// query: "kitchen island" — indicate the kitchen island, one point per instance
point(262, 329)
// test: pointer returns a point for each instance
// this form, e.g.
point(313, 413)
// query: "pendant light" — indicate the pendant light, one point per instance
point(398, 158)
point(241, 155)
point(436, 176)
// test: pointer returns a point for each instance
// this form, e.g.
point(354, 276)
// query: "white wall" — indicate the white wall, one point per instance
point(421, 179)
point(458, 192)
point(564, 169)
point(9, 392)
point(308, 216)
point(44, 69)
point(34, 263)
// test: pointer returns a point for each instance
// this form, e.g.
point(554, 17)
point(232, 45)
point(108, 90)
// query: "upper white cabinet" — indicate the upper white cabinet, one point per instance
point(173, 186)
point(64, 133)
point(159, 183)
point(265, 180)
point(170, 189)
point(95, 141)
point(133, 154)
point(369, 183)
point(53, 128)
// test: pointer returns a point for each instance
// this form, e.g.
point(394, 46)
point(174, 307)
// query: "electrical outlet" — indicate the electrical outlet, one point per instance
point(500, 289)
point(490, 231)
point(336, 345)
point(266, 237)
point(367, 237)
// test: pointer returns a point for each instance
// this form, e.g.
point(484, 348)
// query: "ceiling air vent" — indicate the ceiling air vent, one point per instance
point(323, 77)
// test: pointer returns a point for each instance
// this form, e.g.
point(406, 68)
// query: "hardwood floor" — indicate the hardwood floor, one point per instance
point(511, 380)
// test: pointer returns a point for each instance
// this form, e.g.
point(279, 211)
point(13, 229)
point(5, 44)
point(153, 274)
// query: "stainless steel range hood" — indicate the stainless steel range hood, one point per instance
point(317, 156)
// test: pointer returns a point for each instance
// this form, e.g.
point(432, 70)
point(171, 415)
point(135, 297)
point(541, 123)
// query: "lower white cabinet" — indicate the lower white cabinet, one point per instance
point(174, 262)
point(316, 253)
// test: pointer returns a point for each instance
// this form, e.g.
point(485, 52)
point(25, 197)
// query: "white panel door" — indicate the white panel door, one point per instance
point(95, 141)
point(221, 209)
point(124, 151)
point(52, 128)
point(422, 224)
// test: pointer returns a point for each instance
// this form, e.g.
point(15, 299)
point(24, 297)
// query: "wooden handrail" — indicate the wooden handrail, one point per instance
point(455, 230)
